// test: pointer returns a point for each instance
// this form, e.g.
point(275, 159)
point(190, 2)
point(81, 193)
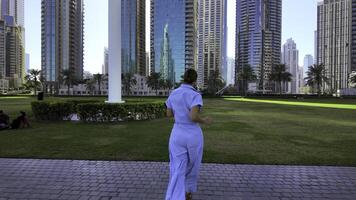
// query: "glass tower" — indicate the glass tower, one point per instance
point(62, 38)
point(133, 36)
point(173, 37)
point(258, 37)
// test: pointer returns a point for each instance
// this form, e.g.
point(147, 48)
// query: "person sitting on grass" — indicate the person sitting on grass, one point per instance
point(4, 121)
point(20, 122)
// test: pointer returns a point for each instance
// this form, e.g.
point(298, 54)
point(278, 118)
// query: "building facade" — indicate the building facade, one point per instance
point(258, 38)
point(290, 57)
point(308, 61)
point(333, 44)
point(133, 36)
point(105, 67)
point(12, 42)
point(353, 36)
point(173, 37)
point(62, 38)
point(212, 40)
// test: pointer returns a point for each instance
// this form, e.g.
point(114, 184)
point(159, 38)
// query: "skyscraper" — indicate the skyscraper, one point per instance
point(133, 35)
point(13, 8)
point(333, 45)
point(105, 67)
point(175, 20)
point(353, 36)
point(290, 57)
point(12, 44)
point(308, 61)
point(258, 37)
point(212, 40)
point(62, 38)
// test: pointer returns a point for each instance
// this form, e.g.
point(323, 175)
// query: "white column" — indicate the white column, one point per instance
point(115, 51)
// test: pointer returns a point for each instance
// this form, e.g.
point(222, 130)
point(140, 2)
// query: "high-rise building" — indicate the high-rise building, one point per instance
point(133, 35)
point(353, 36)
point(290, 57)
point(258, 38)
point(333, 45)
point(105, 67)
point(12, 52)
point(173, 36)
point(62, 38)
point(230, 71)
point(13, 8)
point(212, 40)
point(27, 63)
point(12, 44)
point(301, 82)
point(308, 61)
point(315, 47)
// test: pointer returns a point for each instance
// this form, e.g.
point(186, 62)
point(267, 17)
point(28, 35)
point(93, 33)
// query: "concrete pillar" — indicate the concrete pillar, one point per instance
point(115, 52)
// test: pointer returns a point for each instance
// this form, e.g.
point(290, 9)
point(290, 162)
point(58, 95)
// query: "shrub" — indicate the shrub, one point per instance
point(97, 112)
point(53, 110)
point(102, 112)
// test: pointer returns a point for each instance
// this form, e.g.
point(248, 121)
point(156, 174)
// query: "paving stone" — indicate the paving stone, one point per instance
point(105, 180)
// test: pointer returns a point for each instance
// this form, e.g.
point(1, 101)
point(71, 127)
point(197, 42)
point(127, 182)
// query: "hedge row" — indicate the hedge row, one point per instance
point(120, 112)
point(96, 112)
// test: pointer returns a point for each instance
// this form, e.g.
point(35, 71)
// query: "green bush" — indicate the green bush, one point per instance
point(53, 111)
point(97, 112)
point(102, 112)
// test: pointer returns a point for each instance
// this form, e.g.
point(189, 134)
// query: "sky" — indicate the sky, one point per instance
point(298, 22)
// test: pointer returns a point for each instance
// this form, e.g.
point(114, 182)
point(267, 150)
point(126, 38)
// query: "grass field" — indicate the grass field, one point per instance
point(254, 131)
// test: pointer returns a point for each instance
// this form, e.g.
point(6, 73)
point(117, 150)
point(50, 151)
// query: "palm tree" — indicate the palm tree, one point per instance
point(99, 78)
point(90, 85)
point(245, 75)
point(68, 78)
point(33, 80)
point(316, 77)
point(279, 75)
point(153, 81)
point(128, 80)
point(215, 82)
point(352, 79)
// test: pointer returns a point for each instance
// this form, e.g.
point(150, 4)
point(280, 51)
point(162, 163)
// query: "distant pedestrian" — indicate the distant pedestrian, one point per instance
point(20, 122)
point(4, 121)
point(186, 140)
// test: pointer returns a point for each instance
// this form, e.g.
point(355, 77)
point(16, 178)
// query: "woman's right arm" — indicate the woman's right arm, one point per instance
point(196, 117)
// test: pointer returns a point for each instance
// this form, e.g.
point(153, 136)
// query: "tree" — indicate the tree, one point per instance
point(279, 75)
point(245, 75)
point(99, 78)
point(69, 78)
point(316, 77)
point(90, 85)
point(215, 82)
point(128, 80)
point(33, 80)
point(153, 81)
point(352, 79)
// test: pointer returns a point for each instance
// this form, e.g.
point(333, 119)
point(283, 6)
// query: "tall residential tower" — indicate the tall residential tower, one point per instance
point(258, 38)
point(62, 38)
point(212, 40)
point(334, 41)
point(133, 36)
point(290, 57)
point(173, 37)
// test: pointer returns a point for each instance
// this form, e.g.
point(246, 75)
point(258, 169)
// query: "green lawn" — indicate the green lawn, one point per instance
point(271, 131)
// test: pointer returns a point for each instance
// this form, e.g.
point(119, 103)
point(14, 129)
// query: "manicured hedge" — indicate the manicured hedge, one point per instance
point(102, 112)
point(53, 111)
point(97, 112)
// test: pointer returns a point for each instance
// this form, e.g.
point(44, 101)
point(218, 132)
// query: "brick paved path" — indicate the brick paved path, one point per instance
point(64, 179)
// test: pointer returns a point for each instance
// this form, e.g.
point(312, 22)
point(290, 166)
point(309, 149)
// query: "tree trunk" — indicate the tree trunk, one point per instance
point(280, 88)
point(68, 89)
